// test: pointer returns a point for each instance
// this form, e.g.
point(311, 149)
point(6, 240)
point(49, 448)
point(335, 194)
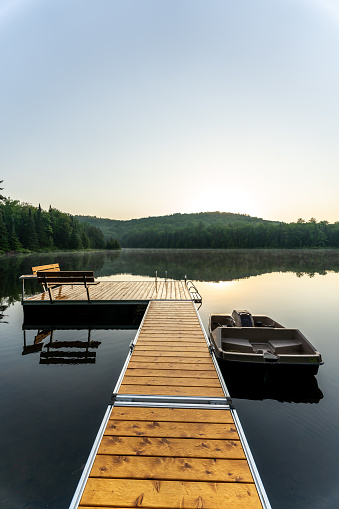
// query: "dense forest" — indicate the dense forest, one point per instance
point(174, 222)
point(218, 230)
point(27, 228)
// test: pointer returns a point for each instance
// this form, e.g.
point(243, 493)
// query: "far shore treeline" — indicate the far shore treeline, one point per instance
point(218, 230)
point(27, 228)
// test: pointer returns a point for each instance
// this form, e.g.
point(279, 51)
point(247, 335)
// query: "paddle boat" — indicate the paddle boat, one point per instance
point(241, 337)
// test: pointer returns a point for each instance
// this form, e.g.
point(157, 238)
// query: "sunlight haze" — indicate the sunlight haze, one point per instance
point(136, 108)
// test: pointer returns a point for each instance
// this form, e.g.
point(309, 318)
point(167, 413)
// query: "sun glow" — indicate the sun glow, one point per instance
point(223, 199)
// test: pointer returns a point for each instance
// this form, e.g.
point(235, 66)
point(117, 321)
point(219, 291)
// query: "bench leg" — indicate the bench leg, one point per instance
point(50, 293)
point(87, 289)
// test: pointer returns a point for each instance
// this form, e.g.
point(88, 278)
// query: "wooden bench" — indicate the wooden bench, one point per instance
point(27, 277)
point(51, 267)
point(52, 278)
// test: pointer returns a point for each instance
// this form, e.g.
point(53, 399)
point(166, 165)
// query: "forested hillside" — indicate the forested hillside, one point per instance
point(218, 230)
point(27, 228)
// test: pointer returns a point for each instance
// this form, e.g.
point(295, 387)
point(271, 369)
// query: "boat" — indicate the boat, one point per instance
point(241, 337)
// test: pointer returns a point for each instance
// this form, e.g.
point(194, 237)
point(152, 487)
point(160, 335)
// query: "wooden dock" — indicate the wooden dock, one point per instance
point(117, 291)
point(170, 438)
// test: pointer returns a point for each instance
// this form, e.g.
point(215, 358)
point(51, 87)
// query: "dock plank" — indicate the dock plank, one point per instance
point(167, 381)
point(125, 413)
point(171, 429)
point(143, 363)
point(166, 468)
point(170, 373)
point(172, 447)
point(172, 391)
point(169, 494)
point(204, 360)
point(176, 347)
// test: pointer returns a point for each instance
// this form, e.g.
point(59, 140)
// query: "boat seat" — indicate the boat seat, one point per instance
point(237, 345)
point(287, 346)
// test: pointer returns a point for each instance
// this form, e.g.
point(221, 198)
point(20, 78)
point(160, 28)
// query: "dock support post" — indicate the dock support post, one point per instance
point(87, 289)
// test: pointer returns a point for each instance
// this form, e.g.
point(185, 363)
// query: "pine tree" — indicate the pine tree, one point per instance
point(4, 245)
point(30, 235)
point(14, 242)
point(1, 189)
point(75, 239)
point(112, 244)
point(85, 240)
point(40, 229)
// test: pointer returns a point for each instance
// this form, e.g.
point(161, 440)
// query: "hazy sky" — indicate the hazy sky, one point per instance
point(135, 108)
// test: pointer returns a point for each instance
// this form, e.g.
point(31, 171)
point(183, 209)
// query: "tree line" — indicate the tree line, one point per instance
point(262, 235)
point(218, 230)
point(125, 230)
point(27, 228)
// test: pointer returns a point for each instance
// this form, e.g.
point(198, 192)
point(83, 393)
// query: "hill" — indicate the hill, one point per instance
point(174, 230)
point(217, 230)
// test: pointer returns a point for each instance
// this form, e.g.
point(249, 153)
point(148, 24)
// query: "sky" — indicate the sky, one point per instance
point(137, 108)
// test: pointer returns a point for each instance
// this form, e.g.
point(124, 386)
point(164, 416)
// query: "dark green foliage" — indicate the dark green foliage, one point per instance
point(112, 244)
point(96, 237)
point(75, 241)
point(27, 228)
point(4, 243)
point(14, 242)
point(218, 230)
point(30, 236)
point(1, 188)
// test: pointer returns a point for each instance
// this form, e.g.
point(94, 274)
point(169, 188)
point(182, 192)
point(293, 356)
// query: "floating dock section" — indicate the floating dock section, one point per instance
point(170, 437)
point(112, 291)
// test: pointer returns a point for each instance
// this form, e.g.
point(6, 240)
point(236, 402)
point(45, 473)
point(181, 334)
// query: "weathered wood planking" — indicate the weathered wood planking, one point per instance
point(191, 458)
point(170, 458)
point(153, 390)
point(173, 415)
point(165, 381)
point(171, 447)
point(119, 290)
point(189, 346)
point(170, 373)
point(171, 429)
point(164, 468)
point(169, 494)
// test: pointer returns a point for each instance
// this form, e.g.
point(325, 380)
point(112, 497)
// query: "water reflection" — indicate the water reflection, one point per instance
point(61, 352)
point(199, 265)
point(271, 382)
point(84, 316)
point(52, 319)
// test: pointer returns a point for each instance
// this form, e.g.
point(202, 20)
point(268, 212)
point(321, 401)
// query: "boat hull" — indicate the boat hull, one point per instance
point(277, 346)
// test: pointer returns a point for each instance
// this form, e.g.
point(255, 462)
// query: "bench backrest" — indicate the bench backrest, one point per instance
point(52, 267)
point(66, 276)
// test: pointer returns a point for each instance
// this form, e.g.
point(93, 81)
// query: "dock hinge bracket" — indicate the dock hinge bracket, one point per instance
point(139, 400)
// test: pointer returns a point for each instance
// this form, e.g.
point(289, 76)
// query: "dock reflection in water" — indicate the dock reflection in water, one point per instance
point(62, 352)
point(278, 383)
point(40, 332)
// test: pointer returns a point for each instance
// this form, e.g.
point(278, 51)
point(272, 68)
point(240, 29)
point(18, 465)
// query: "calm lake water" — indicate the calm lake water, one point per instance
point(53, 397)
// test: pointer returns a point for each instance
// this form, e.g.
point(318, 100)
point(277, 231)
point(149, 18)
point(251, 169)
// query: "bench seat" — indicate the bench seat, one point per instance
point(288, 346)
point(237, 345)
